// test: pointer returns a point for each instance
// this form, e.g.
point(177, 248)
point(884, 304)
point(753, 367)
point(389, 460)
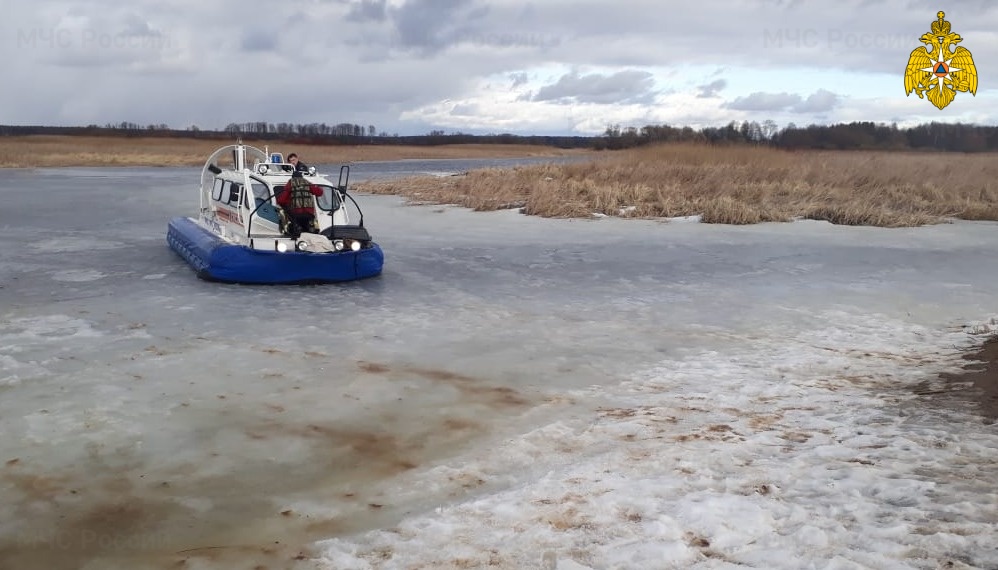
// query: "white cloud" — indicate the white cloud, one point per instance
point(625, 86)
point(821, 101)
point(712, 89)
point(389, 62)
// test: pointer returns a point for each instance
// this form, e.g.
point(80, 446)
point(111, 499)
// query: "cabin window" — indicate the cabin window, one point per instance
point(330, 199)
point(234, 193)
point(216, 190)
point(261, 192)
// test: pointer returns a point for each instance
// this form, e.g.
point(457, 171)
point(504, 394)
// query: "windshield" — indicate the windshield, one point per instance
point(260, 191)
point(330, 199)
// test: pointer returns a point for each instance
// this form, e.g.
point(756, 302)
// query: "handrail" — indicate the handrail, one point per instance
point(355, 205)
point(341, 188)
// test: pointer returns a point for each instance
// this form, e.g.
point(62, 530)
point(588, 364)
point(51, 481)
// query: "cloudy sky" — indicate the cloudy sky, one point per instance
point(481, 66)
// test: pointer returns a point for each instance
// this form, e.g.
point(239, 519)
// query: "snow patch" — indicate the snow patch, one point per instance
point(74, 244)
point(78, 275)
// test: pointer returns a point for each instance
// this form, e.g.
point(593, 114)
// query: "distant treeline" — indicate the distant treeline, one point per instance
point(956, 137)
point(301, 134)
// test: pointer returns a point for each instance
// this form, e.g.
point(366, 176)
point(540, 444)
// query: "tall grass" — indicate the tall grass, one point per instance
point(57, 150)
point(732, 185)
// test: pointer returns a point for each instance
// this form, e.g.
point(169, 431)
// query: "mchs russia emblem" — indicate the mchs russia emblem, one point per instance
point(937, 69)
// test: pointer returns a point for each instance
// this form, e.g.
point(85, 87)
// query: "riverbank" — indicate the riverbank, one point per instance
point(981, 374)
point(716, 184)
point(731, 185)
point(63, 150)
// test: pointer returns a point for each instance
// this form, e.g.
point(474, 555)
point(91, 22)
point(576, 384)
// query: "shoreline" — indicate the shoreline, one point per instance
point(735, 185)
point(980, 375)
point(53, 151)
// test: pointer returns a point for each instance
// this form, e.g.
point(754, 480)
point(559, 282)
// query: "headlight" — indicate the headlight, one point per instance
point(282, 247)
point(338, 245)
point(263, 169)
point(355, 245)
point(302, 245)
point(312, 170)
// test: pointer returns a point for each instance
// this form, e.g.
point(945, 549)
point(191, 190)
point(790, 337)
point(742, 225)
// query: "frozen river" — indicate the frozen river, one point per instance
point(512, 392)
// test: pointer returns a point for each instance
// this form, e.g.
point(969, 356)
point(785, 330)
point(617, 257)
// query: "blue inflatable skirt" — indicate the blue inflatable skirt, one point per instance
point(214, 259)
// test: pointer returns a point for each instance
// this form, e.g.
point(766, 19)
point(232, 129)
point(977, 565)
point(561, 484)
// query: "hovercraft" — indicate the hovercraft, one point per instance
point(243, 235)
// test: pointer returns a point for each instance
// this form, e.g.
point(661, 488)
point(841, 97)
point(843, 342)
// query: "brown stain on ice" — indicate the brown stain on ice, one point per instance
point(713, 432)
point(109, 519)
point(472, 388)
point(618, 413)
point(373, 367)
point(795, 436)
point(764, 422)
point(133, 519)
point(460, 424)
point(274, 556)
point(125, 516)
point(655, 418)
point(66, 520)
point(331, 527)
point(35, 486)
point(911, 359)
point(383, 453)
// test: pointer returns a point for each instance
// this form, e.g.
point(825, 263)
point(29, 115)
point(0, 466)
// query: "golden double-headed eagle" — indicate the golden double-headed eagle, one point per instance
point(937, 70)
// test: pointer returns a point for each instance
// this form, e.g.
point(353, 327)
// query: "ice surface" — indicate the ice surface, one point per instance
point(513, 392)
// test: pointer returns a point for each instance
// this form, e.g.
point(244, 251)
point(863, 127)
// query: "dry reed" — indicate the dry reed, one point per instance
point(731, 185)
point(56, 150)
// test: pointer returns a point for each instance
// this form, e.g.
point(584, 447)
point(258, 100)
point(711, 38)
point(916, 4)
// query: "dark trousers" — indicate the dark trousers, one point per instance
point(301, 222)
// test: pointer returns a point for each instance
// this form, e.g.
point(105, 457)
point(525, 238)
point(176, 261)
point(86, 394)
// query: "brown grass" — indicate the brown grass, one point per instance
point(55, 150)
point(732, 185)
